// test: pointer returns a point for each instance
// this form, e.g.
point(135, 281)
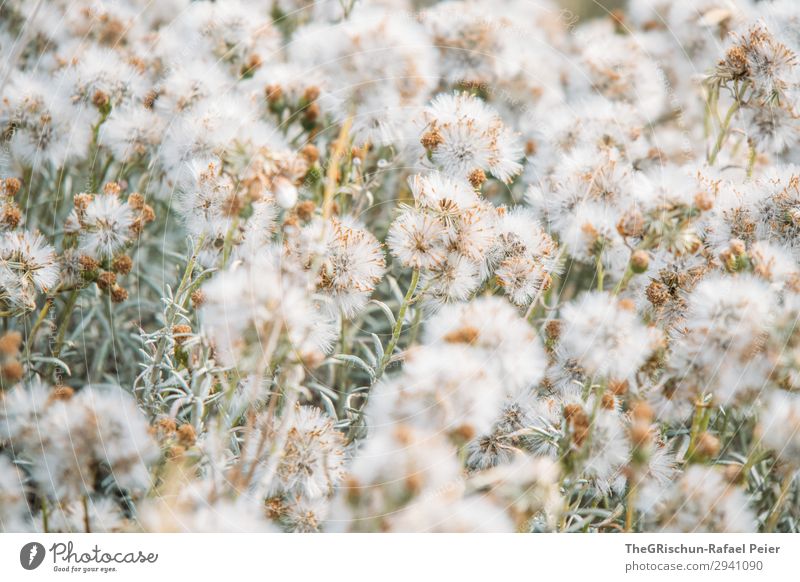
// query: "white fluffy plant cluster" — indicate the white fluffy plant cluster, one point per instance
point(399, 266)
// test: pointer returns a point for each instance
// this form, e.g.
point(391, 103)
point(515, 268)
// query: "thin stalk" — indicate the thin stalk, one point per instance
point(86, 525)
point(339, 377)
point(94, 149)
point(601, 274)
point(751, 160)
point(700, 420)
point(415, 325)
point(630, 510)
point(623, 283)
point(45, 516)
point(711, 107)
point(281, 436)
point(228, 244)
point(65, 317)
point(172, 310)
point(775, 514)
point(754, 456)
point(723, 132)
point(398, 326)
point(332, 175)
point(37, 324)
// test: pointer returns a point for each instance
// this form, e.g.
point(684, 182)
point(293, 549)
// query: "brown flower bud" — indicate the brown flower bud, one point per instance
point(10, 343)
point(578, 421)
point(100, 99)
point(187, 435)
point(166, 425)
point(305, 210)
point(118, 294)
point(431, 139)
point(552, 329)
point(737, 247)
point(81, 201)
point(12, 371)
point(106, 280)
point(310, 153)
point(180, 331)
point(640, 260)
point(311, 113)
point(136, 201)
point(703, 201)
point(10, 216)
point(657, 293)
point(122, 264)
point(11, 186)
point(150, 99)
point(198, 298)
point(477, 178)
point(112, 189)
point(311, 93)
point(464, 432)
point(88, 264)
point(640, 435)
point(631, 224)
point(253, 62)
point(733, 473)
point(642, 412)
point(274, 94)
point(463, 335)
point(707, 445)
point(148, 214)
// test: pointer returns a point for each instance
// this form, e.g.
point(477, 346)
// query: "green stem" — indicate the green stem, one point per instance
point(228, 244)
point(754, 456)
point(630, 510)
point(94, 151)
point(339, 378)
point(601, 274)
point(775, 514)
point(700, 420)
point(723, 132)
point(65, 318)
point(711, 108)
point(623, 283)
point(39, 319)
point(169, 320)
point(751, 160)
point(398, 325)
point(415, 325)
point(86, 525)
point(45, 516)
point(104, 171)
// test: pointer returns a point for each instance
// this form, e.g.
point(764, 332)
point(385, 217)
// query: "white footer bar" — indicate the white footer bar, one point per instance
point(386, 557)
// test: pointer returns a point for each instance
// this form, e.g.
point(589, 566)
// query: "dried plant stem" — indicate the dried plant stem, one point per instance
point(86, 524)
